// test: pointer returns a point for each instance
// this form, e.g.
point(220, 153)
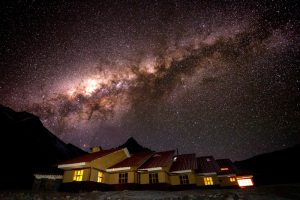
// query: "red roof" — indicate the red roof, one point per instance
point(135, 160)
point(184, 162)
point(207, 164)
point(90, 157)
point(159, 159)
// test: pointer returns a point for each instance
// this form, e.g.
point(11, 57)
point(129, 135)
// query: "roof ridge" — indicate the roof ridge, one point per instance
point(206, 156)
point(187, 154)
point(90, 156)
point(146, 160)
point(164, 151)
point(140, 156)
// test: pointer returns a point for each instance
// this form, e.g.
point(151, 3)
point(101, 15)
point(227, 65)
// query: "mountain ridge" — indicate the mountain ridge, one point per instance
point(133, 146)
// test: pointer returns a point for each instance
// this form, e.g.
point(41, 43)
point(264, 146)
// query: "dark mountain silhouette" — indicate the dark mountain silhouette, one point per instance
point(274, 168)
point(27, 147)
point(133, 146)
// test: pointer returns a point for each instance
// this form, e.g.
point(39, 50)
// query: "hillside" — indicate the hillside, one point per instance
point(276, 167)
point(26, 147)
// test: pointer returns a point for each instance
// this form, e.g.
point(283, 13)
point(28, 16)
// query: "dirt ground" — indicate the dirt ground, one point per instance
point(278, 192)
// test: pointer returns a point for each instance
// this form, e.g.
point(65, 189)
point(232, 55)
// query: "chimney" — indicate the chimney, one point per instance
point(95, 149)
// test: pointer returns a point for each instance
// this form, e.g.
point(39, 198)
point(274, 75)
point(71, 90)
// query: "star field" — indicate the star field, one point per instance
point(213, 77)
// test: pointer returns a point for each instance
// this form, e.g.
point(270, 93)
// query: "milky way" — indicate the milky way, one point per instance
point(211, 77)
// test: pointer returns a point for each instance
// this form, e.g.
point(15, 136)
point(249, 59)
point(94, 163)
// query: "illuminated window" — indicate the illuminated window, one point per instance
point(153, 178)
point(245, 182)
point(208, 181)
point(100, 177)
point(232, 179)
point(78, 175)
point(123, 177)
point(184, 179)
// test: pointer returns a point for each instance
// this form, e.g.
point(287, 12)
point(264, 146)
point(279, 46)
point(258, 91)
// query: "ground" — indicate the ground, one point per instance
point(278, 192)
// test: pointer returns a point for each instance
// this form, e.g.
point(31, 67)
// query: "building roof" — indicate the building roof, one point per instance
point(226, 167)
point(89, 157)
point(135, 160)
point(159, 159)
point(184, 162)
point(207, 164)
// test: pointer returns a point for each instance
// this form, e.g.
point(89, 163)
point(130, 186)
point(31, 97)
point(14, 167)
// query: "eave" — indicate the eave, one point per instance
point(151, 169)
point(118, 169)
point(181, 171)
point(73, 165)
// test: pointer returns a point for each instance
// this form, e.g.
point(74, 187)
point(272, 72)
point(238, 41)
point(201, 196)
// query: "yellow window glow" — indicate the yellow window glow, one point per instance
point(100, 177)
point(78, 175)
point(208, 181)
point(232, 179)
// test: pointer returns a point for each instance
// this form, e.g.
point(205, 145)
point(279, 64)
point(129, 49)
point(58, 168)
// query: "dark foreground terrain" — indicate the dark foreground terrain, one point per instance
point(277, 192)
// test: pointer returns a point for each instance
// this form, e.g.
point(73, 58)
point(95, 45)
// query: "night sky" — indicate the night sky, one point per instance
point(209, 77)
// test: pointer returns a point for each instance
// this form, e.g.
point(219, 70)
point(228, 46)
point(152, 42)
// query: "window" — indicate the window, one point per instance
point(184, 179)
point(232, 179)
point(208, 181)
point(153, 178)
point(123, 178)
point(100, 177)
point(245, 182)
point(78, 175)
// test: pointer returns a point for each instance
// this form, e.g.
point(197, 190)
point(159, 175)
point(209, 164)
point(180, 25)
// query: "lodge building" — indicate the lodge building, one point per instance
point(117, 169)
